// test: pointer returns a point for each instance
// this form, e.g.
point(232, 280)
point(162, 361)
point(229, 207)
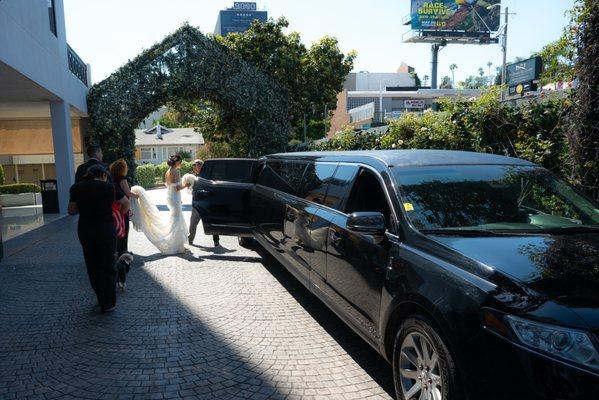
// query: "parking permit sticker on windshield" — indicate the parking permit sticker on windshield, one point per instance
point(408, 206)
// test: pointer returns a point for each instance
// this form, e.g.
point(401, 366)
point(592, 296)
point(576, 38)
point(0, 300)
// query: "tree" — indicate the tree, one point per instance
point(446, 83)
point(473, 82)
point(311, 76)
point(583, 132)
point(425, 80)
point(453, 67)
point(417, 81)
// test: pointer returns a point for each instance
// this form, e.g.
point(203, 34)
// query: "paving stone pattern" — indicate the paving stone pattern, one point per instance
point(225, 324)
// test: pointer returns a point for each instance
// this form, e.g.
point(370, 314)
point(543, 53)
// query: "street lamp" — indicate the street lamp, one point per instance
point(503, 47)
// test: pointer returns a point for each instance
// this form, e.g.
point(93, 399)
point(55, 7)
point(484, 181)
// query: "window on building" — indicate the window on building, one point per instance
point(52, 16)
point(146, 153)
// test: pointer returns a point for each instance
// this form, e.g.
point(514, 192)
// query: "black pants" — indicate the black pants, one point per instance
point(193, 226)
point(122, 244)
point(99, 245)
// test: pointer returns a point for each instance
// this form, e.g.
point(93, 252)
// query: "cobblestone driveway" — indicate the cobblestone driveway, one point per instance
point(224, 324)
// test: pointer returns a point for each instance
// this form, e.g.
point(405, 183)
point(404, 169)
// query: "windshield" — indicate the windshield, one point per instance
point(491, 197)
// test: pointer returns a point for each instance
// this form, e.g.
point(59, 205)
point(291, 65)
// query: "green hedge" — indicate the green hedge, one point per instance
point(1, 175)
point(144, 175)
point(19, 188)
point(534, 130)
point(160, 170)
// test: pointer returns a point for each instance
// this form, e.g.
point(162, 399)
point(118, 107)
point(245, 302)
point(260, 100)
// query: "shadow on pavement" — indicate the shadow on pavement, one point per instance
point(374, 364)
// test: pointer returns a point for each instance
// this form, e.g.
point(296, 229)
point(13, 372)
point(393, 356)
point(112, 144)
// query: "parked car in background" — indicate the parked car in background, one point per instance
point(475, 275)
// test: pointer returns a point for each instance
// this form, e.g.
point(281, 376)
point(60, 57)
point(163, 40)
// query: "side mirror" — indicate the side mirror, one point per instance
point(367, 222)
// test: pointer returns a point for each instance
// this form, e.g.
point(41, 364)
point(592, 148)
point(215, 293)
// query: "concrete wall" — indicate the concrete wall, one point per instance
point(28, 46)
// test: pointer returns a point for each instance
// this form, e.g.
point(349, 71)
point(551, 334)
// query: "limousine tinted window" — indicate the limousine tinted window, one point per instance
point(315, 182)
point(339, 186)
point(282, 175)
point(367, 194)
point(228, 170)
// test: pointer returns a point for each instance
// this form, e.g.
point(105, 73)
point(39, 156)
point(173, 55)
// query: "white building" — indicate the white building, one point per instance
point(43, 88)
point(157, 144)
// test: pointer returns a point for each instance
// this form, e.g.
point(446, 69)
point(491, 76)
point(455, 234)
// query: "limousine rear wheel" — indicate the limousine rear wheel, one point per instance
point(422, 365)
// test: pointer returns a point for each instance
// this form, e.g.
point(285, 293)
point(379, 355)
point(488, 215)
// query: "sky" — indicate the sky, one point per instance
point(107, 33)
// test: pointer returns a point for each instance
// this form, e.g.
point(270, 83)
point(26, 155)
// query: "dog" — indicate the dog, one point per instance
point(123, 264)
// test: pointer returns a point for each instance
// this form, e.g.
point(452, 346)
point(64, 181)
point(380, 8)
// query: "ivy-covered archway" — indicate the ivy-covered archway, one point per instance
point(186, 65)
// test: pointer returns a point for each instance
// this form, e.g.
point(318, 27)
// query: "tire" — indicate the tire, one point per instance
point(436, 381)
point(247, 242)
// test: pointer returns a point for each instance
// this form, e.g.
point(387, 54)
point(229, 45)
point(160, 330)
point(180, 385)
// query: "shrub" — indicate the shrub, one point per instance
point(144, 175)
point(160, 170)
point(534, 130)
point(19, 188)
point(186, 167)
point(1, 175)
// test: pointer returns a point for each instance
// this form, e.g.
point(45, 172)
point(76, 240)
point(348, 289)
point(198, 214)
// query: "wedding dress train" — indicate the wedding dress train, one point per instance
point(167, 234)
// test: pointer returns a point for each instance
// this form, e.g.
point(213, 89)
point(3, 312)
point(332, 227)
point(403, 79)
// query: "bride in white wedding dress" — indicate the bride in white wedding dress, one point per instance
point(168, 235)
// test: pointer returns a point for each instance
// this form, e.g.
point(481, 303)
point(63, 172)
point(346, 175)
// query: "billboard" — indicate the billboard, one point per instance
point(524, 71)
point(463, 16)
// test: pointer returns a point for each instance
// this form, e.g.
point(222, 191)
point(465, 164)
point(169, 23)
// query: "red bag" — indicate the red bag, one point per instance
point(118, 219)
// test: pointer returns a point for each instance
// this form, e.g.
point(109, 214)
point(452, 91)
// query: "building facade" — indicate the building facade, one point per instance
point(238, 18)
point(43, 89)
point(371, 99)
point(157, 144)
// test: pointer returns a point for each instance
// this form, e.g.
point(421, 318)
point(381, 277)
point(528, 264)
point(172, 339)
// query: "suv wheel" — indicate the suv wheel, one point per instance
point(246, 242)
point(422, 365)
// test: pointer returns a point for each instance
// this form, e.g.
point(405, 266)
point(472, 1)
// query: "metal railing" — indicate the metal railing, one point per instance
point(76, 65)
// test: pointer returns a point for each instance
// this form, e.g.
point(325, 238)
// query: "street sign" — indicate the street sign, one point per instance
point(524, 71)
point(414, 104)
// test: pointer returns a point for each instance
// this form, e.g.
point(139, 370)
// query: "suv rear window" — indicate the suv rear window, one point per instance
point(228, 170)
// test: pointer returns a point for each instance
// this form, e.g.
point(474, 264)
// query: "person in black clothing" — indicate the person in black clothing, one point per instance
point(95, 158)
point(195, 215)
point(92, 198)
point(118, 172)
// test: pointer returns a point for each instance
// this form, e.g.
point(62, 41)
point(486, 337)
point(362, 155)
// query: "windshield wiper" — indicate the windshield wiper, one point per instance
point(570, 229)
point(463, 232)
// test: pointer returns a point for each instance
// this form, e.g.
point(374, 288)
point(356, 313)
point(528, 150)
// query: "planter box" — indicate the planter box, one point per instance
point(23, 199)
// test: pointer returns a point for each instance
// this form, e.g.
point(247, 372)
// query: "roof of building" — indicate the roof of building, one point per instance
point(418, 94)
point(410, 157)
point(161, 136)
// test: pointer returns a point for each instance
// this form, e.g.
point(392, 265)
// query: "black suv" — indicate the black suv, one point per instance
point(475, 275)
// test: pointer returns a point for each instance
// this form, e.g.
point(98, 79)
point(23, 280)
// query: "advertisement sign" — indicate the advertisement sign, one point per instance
point(413, 104)
point(524, 71)
point(470, 16)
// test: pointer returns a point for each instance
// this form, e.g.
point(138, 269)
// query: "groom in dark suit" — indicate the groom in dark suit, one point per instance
point(94, 153)
point(195, 215)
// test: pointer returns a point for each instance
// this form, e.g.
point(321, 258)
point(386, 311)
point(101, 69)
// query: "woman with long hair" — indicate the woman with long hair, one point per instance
point(118, 171)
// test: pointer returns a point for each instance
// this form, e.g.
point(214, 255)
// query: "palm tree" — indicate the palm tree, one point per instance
point(489, 65)
point(425, 80)
point(453, 67)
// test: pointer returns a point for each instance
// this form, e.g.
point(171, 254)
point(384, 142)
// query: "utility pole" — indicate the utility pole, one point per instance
point(435, 61)
point(504, 48)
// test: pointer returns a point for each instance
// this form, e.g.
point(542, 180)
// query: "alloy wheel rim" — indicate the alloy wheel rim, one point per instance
point(419, 369)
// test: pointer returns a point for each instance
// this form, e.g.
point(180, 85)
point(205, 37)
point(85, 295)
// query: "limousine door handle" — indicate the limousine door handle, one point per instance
point(202, 193)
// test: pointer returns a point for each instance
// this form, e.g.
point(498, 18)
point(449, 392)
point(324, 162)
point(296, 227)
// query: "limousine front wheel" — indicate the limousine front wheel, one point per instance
point(422, 366)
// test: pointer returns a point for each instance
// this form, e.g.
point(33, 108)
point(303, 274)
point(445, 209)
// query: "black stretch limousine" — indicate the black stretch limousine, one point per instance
point(475, 275)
